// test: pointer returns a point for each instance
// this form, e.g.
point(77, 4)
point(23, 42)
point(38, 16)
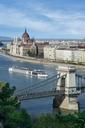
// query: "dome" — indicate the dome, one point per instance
point(26, 36)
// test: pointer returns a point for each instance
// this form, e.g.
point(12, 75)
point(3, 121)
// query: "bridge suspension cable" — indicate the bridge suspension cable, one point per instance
point(38, 84)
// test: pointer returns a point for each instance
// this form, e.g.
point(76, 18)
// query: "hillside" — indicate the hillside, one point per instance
point(5, 39)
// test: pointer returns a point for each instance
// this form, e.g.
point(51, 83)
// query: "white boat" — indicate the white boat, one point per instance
point(27, 71)
point(39, 73)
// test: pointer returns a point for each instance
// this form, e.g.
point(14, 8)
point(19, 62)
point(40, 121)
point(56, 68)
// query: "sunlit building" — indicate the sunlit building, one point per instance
point(22, 46)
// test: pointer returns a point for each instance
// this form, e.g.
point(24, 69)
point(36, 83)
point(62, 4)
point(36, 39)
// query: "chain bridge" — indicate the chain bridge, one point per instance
point(67, 87)
point(29, 93)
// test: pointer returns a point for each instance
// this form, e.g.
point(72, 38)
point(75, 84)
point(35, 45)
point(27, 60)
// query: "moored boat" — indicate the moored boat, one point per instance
point(39, 73)
point(27, 71)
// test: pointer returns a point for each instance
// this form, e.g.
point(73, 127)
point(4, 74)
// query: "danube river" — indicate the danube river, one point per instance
point(20, 81)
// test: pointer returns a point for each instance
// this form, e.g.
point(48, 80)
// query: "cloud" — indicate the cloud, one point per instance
point(72, 23)
point(13, 18)
point(67, 21)
point(43, 19)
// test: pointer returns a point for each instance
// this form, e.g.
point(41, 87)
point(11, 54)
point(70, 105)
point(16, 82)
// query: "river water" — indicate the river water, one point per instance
point(37, 106)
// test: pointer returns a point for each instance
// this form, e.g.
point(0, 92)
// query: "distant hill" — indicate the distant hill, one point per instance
point(5, 39)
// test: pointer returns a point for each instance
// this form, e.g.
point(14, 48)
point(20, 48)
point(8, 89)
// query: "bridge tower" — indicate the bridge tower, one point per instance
point(67, 83)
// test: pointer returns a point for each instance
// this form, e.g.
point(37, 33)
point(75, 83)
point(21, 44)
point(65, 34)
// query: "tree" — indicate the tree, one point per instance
point(11, 115)
point(76, 120)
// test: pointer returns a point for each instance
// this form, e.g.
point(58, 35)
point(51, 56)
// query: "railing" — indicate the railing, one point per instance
point(42, 94)
point(74, 90)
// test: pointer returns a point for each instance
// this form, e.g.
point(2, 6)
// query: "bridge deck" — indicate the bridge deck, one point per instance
point(35, 95)
point(42, 94)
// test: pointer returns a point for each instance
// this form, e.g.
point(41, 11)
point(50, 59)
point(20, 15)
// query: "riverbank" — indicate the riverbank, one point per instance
point(42, 61)
point(29, 59)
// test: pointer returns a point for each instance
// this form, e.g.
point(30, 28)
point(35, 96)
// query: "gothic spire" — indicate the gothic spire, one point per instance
point(25, 30)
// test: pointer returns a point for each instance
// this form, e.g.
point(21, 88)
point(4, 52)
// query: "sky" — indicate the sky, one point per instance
point(45, 19)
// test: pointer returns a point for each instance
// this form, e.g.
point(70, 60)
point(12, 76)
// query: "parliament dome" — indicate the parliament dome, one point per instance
point(25, 36)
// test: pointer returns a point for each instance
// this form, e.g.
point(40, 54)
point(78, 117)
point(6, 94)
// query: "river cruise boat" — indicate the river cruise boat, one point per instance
point(27, 71)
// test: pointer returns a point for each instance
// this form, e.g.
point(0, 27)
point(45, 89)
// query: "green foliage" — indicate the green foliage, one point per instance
point(11, 115)
point(18, 119)
point(60, 121)
point(47, 121)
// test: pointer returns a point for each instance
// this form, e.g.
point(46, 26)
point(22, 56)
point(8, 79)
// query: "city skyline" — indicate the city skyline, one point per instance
point(43, 19)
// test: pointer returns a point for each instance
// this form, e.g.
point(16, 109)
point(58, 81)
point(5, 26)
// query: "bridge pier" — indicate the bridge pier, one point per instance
point(63, 102)
point(69, 103)
point(57, 100)
point(67, 82)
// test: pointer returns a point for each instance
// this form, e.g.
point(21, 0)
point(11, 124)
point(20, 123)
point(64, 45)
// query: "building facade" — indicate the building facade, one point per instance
point(22, 46)
point(49, 53)
point(65, 55)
